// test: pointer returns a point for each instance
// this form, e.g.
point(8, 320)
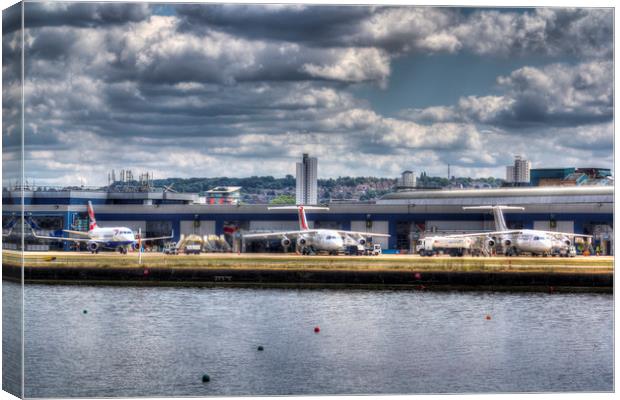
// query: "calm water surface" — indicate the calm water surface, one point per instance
point(142, 341)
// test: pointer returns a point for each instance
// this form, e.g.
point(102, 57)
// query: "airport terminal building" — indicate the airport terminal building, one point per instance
point(406, 215)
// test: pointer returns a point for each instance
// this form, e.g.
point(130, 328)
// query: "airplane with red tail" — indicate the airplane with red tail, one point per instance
point(314, 240)
point(121, 238)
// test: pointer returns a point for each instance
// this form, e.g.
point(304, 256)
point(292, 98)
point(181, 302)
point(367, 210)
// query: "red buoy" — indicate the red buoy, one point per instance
point(488, 317)
point(317, 329)
point(146, 272)
point(418, 275)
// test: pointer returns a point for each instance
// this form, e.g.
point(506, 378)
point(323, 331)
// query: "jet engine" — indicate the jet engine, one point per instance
point(135, 246)
point(567, 242)
point(507, 242)
point(93, 246)
point(490, 242)
point(362, 241)
point(286, 242)
point(302, 241)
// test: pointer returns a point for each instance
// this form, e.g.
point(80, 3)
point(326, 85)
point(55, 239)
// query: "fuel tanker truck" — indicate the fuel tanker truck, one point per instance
point(455, 246)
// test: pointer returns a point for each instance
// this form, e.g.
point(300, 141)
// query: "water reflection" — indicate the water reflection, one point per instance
point(160, 341)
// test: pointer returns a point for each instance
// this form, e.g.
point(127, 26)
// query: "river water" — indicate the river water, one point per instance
point(92, 341)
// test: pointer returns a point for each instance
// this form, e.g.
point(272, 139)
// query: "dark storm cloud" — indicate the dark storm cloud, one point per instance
point(51, 44)
point(320, 25)
point(392, 29)
point(156, 52)
point(11, 92)
point(544, 31)
point(12, 18)
point(215, 86)
point(83, 14)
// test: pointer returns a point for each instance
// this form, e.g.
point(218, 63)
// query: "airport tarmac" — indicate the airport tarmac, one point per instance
point(279, 260)
point(385, 271)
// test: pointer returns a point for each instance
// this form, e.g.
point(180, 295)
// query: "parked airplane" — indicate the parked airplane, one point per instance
point(516, 241)
point(314, 240)
point(120, 238)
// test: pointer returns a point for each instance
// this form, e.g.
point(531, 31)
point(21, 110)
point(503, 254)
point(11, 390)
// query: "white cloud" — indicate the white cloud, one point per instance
point(352, 65)
point(212, 101)
point(554, 95)
point(583, 32)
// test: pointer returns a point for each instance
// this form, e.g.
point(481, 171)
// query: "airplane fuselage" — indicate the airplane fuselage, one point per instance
point(113, 237)
point(529, 241)
point(322, 240)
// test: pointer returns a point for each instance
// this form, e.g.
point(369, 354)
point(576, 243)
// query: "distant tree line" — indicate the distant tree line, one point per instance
point(256, 184)
point(251, 184)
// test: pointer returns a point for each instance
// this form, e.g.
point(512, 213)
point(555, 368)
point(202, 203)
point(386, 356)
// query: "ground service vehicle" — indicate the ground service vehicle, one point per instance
point(455, 246)
point(375, 250)
point(192, 248)
point(171, 248)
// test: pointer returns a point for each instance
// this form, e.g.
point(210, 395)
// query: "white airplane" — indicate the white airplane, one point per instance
point(120, 238)
point(516, 241)
point(314, 240)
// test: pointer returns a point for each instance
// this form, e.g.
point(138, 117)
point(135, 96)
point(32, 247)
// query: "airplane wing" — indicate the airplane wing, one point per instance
point(158, 238)
point(371, 234)
point(81, 233)
point(479, 234)
point(67, 238)
point(566, 234)
point(293, 234)
point(268, 235)
point(518, 231)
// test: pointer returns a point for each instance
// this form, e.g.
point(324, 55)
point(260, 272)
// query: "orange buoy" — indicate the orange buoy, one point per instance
point(317, 329)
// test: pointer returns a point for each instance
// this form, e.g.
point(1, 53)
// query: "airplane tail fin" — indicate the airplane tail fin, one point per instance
point(11, 224)
point(303, 221)
point(32, 224)
point(92, 222)
point(498, 215)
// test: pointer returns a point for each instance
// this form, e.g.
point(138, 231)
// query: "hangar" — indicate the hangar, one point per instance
point(406, 215)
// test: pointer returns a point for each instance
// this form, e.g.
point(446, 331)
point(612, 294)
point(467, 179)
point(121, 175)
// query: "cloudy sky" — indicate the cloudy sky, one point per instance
point(237, 90)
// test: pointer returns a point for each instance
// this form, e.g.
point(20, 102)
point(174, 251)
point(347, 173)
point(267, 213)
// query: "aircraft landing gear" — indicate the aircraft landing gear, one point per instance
point(308, 251)
point(512, 251)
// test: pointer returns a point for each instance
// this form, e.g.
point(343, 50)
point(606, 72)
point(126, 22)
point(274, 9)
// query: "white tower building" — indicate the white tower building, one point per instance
point(522, 170)
point(306, 181)
point(510, 173)
point(407, 180)
point(519, 172)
